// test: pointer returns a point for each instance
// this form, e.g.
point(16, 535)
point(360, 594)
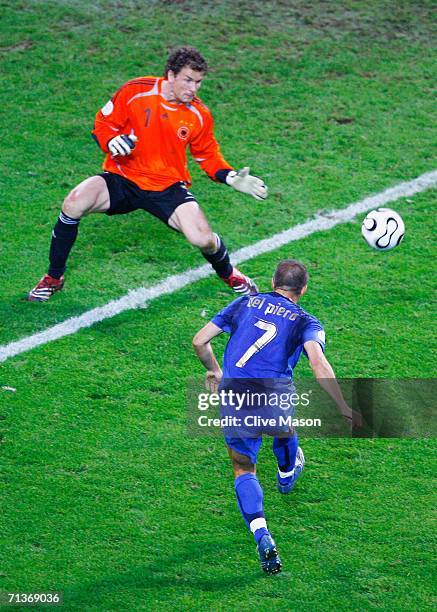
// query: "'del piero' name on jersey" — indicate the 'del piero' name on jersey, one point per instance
point(269, 308)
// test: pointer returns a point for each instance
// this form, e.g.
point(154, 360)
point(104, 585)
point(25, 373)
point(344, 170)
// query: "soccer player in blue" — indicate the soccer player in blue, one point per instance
point(268, 334)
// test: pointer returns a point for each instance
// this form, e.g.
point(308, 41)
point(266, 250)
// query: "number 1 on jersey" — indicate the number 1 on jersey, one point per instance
point(148, 112)
point(271, 331)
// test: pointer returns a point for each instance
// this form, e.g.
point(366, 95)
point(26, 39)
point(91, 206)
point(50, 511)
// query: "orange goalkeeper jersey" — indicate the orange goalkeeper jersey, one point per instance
point(164, 130)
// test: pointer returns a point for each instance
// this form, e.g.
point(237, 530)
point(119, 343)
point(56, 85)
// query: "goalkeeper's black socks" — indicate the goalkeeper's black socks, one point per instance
point(220, 260)
point(64, 235)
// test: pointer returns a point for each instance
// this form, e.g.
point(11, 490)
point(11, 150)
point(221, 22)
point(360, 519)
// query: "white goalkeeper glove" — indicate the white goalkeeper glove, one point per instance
point(122, 145)
point(246, 183)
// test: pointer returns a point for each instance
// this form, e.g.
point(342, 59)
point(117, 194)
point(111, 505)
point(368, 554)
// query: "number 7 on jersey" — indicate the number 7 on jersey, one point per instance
point(270, 333)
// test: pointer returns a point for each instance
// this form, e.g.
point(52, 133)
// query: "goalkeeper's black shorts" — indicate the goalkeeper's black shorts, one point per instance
point(125, 197)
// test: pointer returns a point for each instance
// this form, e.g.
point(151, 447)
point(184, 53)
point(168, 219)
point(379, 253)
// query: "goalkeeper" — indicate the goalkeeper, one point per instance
point(144, 131)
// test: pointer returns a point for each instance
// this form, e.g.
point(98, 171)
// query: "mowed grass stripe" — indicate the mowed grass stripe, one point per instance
point(139, 297)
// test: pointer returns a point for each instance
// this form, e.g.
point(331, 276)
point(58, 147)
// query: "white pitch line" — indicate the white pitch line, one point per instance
point(139, 297)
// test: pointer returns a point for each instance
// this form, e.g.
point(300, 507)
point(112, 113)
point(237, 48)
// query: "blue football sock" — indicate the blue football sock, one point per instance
point(285, 450)
point(250, 502)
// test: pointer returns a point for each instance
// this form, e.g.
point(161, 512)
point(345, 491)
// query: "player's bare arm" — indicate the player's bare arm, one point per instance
point(325, 376)
point(203, 348)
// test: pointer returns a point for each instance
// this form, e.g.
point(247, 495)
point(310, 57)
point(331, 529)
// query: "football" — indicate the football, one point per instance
point(383, 229)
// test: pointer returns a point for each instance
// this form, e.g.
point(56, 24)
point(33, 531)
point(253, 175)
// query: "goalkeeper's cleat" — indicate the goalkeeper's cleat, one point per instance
point(287, 480)
point(240, 283)
point(46, 287)
point(270, 561)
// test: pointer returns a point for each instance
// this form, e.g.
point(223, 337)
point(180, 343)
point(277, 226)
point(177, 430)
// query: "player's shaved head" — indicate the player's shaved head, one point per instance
point(185, 56)
point(290, 275)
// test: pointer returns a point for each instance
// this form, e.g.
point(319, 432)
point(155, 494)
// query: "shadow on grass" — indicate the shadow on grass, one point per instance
point(197, 567)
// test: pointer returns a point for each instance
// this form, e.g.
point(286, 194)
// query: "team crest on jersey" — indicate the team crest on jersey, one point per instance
point(183, 132)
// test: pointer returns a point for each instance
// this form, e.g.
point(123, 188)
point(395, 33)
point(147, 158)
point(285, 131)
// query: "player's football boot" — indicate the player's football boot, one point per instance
point(240, 283)
point(270, 561)
point(287, 481)
point(46, 287)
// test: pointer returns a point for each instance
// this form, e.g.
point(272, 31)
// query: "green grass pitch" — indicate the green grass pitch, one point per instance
point(104, 495)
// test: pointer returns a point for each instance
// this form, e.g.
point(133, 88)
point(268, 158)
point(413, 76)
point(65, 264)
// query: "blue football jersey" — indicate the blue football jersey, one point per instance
point(268, 332)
